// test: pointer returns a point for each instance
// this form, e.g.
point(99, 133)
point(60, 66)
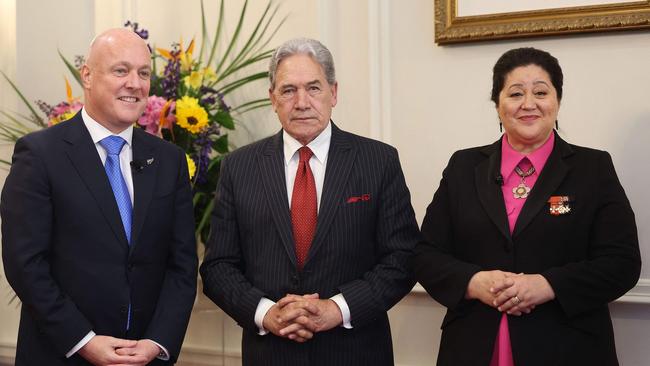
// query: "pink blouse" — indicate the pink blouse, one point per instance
point(510, 158)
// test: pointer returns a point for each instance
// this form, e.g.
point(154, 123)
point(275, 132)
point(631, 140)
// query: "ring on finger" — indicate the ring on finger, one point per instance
point(516, 300)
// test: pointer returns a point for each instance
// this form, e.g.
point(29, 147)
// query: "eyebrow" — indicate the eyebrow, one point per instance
point(130, 65)
point(534, 83)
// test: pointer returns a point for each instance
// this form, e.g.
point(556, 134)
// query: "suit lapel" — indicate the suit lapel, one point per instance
point(84, 157)
point(271, 165)
point(340, 160)
point(549, 179)
point(489, 191)
point(144, 180)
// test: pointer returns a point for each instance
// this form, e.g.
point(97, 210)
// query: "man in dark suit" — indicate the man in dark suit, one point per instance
point(312, 229)
point(97, 226)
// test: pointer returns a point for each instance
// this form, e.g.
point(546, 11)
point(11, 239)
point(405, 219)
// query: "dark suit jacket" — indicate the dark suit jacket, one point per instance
point(589, 256)
point(67, 257)
point(360, 249)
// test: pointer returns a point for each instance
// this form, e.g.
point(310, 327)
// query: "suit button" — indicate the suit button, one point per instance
point(130, 267)
point(508, 246)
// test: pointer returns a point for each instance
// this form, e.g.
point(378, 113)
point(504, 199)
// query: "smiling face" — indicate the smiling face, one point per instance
point(302, 98)
point(116, 79)
point(528, 107)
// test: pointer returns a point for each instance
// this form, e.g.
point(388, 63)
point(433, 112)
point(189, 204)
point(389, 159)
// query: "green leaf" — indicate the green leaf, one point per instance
point(204, 33)
point(262, 101)
point(251, 40)
point(243, 81)
point(220, 145)
point(35, 115)
point(205, 217)
point(234, 38)
point(215, 162)
point(217, 34)
point(225, 120)
point(250, 61)
point(73, 70)
point(197, 197)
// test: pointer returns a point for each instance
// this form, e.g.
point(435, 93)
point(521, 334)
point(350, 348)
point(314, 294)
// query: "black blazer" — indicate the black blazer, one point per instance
point(590, 256)
point(360, 248)
point(67, 257)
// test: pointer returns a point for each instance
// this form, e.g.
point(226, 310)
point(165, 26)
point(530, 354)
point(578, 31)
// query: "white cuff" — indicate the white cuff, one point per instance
point(81, 343)
point(163, 354)
point(262, 308)
point(345, 310)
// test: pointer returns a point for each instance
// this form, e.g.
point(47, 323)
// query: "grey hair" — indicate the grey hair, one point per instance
point(303, 46)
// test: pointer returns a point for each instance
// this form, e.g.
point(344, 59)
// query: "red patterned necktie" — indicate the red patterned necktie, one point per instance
point(303, 206)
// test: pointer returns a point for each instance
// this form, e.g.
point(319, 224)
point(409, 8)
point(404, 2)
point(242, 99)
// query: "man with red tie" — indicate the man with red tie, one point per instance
point(312, 229)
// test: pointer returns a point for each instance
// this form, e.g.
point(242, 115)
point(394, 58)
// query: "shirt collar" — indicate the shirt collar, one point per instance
point(99, 132)
point(511, 157)
point(319, 146)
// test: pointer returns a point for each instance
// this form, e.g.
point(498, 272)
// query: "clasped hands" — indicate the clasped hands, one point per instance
point(298, 317)
point(512, 293)
point(111, 351)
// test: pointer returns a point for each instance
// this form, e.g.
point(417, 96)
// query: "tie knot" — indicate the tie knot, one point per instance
point(112, 144)
point(305, 154)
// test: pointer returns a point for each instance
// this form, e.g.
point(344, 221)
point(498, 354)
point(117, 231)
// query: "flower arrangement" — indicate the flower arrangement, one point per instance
point(187, 104)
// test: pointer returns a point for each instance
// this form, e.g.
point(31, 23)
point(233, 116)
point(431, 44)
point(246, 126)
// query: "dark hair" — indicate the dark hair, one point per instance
point(525, 56)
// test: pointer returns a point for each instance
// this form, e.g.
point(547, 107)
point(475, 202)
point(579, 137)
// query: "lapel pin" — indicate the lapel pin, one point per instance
point(559, 205)
point(149, 161)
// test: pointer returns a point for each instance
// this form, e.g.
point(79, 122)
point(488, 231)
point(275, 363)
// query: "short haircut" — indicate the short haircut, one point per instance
point(303, 46)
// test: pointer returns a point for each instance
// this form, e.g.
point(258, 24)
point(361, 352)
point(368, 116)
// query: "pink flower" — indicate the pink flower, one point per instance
point(63, 111)
point(158, 110)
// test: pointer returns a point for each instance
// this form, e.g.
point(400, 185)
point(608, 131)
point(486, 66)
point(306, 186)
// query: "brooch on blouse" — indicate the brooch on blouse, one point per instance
point(559, 205)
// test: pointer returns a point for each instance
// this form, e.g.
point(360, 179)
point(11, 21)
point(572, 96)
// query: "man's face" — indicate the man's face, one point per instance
point(116, 79)
point(302, 98)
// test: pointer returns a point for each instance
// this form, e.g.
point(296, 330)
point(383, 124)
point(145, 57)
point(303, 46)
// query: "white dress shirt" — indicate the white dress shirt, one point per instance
point(320, 147)
point(98, 133)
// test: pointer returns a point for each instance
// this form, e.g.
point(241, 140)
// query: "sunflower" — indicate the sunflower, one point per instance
point(191, 166)
point(190, 115)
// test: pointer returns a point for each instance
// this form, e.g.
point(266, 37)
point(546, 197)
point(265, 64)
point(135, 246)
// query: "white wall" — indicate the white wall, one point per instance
point(395, 84)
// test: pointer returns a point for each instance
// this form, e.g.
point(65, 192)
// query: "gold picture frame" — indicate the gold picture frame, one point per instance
point(450, 28)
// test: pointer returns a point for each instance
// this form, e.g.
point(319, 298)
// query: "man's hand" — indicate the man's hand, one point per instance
point(323, 314)
point(285, 312)
point(143, 349)
point(101, 350)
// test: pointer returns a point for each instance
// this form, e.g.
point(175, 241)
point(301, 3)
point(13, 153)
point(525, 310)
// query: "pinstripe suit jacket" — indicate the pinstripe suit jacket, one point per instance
point(360, 249)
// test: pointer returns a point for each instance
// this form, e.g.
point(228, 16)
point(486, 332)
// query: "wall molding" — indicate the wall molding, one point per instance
point(379, 70)
point(7, 353)
point(639, 294)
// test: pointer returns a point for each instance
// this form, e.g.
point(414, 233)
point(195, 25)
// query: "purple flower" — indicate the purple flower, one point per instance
point(203, 144)
point(143, 33)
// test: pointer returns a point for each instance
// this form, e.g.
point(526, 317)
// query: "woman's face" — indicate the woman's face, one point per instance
point(528, 107)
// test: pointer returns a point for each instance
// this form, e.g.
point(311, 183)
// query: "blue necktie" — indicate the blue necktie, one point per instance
point(113, 145)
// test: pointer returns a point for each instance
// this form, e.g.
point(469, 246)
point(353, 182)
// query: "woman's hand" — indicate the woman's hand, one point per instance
point(481, 284)
point(520, 293)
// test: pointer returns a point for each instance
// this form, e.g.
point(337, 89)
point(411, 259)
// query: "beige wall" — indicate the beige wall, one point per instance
point(398, 86)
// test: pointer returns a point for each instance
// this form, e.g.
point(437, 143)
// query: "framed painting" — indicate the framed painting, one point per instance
point(478, 20)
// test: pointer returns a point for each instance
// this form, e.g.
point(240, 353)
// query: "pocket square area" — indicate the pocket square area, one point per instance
point(363, 197)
